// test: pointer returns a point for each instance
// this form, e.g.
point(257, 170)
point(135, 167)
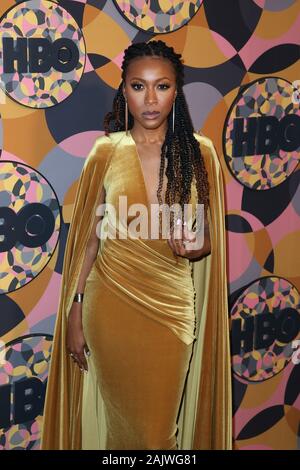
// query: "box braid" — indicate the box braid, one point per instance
point(181, 149)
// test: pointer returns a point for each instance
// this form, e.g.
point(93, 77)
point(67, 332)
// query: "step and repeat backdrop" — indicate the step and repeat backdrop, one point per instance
point(59, 70)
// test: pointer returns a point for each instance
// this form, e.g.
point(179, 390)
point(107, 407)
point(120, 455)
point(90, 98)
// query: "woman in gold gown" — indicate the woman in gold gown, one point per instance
point(152, 331)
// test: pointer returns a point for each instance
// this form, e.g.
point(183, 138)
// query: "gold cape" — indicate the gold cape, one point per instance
point(205, 420)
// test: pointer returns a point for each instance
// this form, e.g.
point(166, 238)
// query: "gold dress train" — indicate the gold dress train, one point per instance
point(152, 354)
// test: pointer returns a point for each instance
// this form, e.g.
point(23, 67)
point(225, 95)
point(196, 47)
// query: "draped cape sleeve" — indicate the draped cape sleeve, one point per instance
point(213, 414)
point(63, 401)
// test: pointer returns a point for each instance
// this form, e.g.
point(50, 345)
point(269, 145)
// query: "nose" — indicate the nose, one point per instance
point(150, 96)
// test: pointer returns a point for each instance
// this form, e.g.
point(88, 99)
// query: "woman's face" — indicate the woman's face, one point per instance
point(150, 87)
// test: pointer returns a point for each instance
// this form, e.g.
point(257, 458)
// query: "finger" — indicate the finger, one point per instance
point(177, 231)
point(175, 243)
point(177, 236)
point(76, 359)
point(188, 235)
point(82, 361)
point(194, 245)
point(72, 356)
point(171, 242)
point(180, 248)
point(189, 245)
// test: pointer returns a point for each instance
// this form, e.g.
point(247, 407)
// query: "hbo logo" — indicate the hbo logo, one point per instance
point(38, 55)
point(32, 226)
point(265, 134)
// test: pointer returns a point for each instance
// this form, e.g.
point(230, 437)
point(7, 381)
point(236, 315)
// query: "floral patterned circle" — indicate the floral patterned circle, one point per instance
point(24, 365)
point(158, 16)
point(50, 50)
point(30, 226)
point(262, 134)
point(265, 320)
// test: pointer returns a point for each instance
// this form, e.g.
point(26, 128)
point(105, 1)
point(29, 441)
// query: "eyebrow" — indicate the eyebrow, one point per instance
point(141, 80)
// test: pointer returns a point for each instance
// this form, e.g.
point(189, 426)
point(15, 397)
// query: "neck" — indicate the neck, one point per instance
point(149, 136)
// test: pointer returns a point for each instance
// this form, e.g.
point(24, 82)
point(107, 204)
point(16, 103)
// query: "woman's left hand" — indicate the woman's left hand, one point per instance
point(189, 244)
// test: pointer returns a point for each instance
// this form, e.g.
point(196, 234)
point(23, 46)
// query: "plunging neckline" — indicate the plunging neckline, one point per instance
point(137, 155)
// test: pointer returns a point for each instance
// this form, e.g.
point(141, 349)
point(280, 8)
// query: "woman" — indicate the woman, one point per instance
point(127, 307)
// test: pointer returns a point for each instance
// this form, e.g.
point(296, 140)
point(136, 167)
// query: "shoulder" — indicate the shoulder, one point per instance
point(204, 141)
point(207, 149)
point(103, 147)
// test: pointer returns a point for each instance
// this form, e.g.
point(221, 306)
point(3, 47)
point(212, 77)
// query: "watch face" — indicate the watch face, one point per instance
point(158, 16)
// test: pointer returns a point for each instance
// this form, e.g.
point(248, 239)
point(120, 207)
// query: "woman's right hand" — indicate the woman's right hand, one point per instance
point(76, 344)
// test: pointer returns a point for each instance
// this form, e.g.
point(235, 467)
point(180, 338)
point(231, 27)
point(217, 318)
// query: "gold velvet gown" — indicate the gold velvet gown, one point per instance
point(143, 309)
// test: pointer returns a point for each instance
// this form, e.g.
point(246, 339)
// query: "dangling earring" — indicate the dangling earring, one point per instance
point(126, 117)
point(174, 116)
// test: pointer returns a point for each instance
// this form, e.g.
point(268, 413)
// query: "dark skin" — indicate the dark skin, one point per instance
point(150, 86)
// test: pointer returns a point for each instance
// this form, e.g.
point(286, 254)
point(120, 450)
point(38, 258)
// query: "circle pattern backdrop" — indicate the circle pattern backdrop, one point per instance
point(260, 150)
point(269, 312)
point(56, 53)
point(24, 370)
point(30, 232)
point(225, 45)
point(158, 16)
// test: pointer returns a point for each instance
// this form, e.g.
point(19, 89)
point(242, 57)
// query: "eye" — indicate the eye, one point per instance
point(136, 86)
point(164, 86)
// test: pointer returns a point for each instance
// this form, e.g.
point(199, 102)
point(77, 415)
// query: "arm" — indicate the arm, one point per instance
point(91, 249)
point(178, 246)
point(76, 343)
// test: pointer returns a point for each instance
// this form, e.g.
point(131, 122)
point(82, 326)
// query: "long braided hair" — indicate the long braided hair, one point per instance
point(180, 149)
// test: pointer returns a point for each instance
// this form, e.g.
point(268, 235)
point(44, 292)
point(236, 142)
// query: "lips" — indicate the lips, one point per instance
point(151, 114)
